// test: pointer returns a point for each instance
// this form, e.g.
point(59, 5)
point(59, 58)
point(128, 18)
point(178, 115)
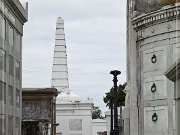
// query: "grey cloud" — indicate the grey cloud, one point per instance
point(96, 43)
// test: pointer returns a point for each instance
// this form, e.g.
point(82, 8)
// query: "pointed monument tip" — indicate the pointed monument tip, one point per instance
point(60, 20)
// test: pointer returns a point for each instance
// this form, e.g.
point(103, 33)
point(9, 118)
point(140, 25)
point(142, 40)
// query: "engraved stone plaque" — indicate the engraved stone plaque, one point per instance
point(154, 59)
point(158, 127)
point(75, 125)
point(159, 93)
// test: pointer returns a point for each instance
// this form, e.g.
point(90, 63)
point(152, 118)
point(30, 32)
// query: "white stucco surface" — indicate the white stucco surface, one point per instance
point(98, 125)
point(78, 113)
point(73, 114)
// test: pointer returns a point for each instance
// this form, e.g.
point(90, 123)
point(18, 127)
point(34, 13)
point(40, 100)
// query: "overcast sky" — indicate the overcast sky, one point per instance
point(95, 32)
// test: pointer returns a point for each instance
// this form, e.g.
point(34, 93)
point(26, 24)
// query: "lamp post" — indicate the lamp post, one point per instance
point(111, 107)
point(115, 73)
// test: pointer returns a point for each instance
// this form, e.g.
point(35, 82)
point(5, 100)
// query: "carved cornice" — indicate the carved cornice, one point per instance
point(173, 72)
point(16, 7)
point(165, 14)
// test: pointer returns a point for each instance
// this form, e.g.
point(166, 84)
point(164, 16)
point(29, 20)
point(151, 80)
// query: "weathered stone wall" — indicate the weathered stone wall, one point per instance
point(36, 110)
point(145, 6)
point(152, 45)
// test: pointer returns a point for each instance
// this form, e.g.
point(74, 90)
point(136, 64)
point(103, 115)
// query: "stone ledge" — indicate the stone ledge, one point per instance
point(164, 14)
point(22, 11)
point(173, 72)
